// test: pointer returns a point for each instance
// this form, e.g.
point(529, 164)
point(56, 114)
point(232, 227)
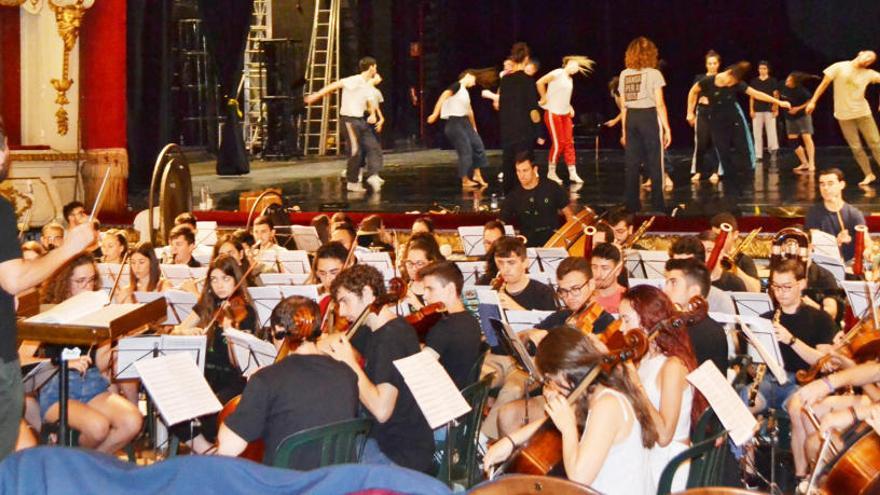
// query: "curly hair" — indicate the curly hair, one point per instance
point(654, 307)
point(355, 278)
point(641, 53)
point(300, 317)
point(56, 289)
point(567, 351)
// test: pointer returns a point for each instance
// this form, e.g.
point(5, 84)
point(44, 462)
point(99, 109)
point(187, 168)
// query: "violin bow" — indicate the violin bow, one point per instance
point(100, 197)
point(118, 277)
point(235, 289)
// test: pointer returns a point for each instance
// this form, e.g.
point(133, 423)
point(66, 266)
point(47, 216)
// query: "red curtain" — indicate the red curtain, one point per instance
point(10, 73)
point(102, 75)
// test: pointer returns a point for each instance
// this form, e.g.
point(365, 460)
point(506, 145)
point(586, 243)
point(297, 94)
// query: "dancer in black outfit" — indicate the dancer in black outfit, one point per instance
point(519, 114)
point(730, 133)
point(701, 168)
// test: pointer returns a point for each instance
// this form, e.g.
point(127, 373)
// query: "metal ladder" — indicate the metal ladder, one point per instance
point(320, 129)
point(254, 77)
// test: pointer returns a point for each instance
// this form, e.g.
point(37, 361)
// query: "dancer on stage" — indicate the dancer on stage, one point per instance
point(518, 112)
point(727, 122)
point(454, 106)
point(555, 89)
point(799, 125)
point(354, 103)
point(702, 134)
point(764, 114)
point(645, 124)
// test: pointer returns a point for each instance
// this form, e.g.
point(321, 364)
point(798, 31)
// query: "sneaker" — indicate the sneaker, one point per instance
point(381, 180)
point(343, 173)
point(500, 176)
point(354, 187)
point(551, 174)
point(714, 179)
point(695, 178)
point(573, 175)
point(375, 182)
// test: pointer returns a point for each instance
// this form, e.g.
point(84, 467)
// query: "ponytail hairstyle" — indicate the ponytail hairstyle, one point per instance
point(519, 52)
point(568, 352)
point(585, 64)
point(739, 70)
point(486, 77)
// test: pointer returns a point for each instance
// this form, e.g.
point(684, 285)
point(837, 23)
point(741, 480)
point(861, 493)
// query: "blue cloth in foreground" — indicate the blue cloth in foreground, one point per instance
point(59, 470)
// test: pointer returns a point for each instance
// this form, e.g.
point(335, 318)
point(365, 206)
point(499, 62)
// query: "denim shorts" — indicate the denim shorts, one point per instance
point(82, 388)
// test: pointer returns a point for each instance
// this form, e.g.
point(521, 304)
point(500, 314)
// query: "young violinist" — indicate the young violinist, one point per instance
point(292, 394)
point(105, 420)
point(605, 263)
point(456, 338)
point(575, 288)
point(518, 291)
point(329, 262)
point(401, 435)
point(420, 251)
point(662, 372)
point(224, 303)
point(621, 221)
point(231, 245)
point(144, 274)
point(611, 454)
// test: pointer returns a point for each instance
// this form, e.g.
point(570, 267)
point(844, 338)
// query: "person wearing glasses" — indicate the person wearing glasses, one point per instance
point(105, 420)
point(421, 250)
point(329, 261)
point(291, 395)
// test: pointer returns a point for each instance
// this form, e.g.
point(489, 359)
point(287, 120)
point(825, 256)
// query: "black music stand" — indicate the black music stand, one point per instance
point(508, 340)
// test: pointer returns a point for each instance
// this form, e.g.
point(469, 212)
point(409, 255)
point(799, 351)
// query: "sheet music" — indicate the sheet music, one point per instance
point(305, 237)
point(833, 264)
point(284, 278)
point(251, 353)
point(472, 239)
point(293, 261)
point(73, 308)
point(763, 346)
point(727, 404)
point(108, 272)
point(471, 271)
point(380, 260)
point(206, 234)
point(309, 291)
point(546, 278)
point(178, 388)
point(524, 320)
point(653, 282)
point(751, 303)
point(641, 263)
point(203, 254)
point(857, 295)
point(824, 244)
point(131, 350)
point(38, 376)
point(550, 259)
point(433, 389)
point(179, 303)
point(265, 299)
point(177, 274)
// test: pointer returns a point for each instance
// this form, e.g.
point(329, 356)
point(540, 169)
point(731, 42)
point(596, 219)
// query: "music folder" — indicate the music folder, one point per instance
point(727, 404)
point(284, 278)
point(489, 306)
point(305, 237)
point(179, 303)
point(432, 388)
point(265, 299)
point(381, 260)
point(472, 239)
point(307, 291)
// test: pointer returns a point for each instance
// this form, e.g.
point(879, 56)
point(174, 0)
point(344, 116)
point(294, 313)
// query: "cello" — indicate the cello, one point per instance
point(543, 451)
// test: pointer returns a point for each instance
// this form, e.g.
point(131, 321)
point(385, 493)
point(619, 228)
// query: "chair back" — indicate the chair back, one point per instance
point(458, 454)
point(706, 464)
point(338, 443)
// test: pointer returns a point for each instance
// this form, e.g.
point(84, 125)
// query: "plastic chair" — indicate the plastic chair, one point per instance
point(339, 443)
point(458, 456)
point(474, 374)
point(707, 464)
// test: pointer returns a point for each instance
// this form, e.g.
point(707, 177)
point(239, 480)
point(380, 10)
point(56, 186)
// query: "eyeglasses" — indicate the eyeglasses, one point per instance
point(783, 288)
point(416, 264)
point(574, 291)
point(83, 281)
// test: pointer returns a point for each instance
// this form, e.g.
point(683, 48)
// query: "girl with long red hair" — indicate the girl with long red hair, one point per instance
point(663, 371)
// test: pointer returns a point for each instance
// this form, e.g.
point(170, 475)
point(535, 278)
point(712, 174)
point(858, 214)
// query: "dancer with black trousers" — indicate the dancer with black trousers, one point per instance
point(730, 132)
point(700, 167)
point(645, 123)
point(519, 114)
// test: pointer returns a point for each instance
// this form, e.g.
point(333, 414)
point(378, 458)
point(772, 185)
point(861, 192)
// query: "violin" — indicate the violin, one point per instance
point(235, 307)
point(425, 319)
point(543, 451)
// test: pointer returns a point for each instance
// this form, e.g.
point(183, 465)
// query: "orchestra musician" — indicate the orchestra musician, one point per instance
point(329, 262)
point(292, 394)
point(223, 303)
point(182, 240)
point(834, 215)
point(607, 269)
point(745, 265)
point(611, 455)
point(105, 420)
point(690, 247)
point(343, 233)
point(51, 236)
point(231, 245)
point(621, 222)
point(400, 435)
point(264, 234)
point(420, 251)
point(144, 274)
point(114, 246)
point(662, 373)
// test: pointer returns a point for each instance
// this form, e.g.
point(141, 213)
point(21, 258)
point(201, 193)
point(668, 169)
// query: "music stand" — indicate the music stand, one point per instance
point(508, 339)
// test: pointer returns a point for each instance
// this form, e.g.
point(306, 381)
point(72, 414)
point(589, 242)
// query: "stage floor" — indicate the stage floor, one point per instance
point(419, 181)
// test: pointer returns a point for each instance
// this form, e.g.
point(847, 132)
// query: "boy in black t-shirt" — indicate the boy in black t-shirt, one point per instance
point(456, 337)
point(401, 434)
point(535, 204)
point(291, 395)
point(519, 292)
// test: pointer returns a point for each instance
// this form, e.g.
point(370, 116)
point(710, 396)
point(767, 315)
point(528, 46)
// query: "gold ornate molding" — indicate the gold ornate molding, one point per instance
point(68, 18)
point(11, 3)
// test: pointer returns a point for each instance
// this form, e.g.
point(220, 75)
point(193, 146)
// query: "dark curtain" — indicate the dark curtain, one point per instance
point(150, 72)
point(225, 25)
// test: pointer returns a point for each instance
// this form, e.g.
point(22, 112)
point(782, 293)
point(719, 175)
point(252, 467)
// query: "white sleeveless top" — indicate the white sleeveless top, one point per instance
point(457, 105)
point(626, 469)
point(649, 372)
point(559, 93)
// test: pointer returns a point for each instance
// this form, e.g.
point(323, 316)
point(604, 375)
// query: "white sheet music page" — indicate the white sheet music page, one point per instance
point(250, 352)
point(433, 389)
point(763, 346)
point(751, 303)
point(73, 308)
point(178, 388)
point(727, 404)
point(824, 244)
point(104, 316)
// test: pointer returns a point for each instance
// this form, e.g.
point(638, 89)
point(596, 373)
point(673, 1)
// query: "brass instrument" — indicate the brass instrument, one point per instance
point(726, 229)
point(638, 234)
point(791, 243)
point(729, 262)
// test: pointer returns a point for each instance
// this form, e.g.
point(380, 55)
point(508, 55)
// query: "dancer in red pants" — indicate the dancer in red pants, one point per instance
point(555, 89)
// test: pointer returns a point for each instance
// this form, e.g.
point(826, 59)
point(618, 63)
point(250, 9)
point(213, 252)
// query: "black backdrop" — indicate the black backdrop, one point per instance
point(803, 35)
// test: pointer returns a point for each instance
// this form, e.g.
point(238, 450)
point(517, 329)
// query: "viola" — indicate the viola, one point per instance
point(425, 319)
point(862, 343)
